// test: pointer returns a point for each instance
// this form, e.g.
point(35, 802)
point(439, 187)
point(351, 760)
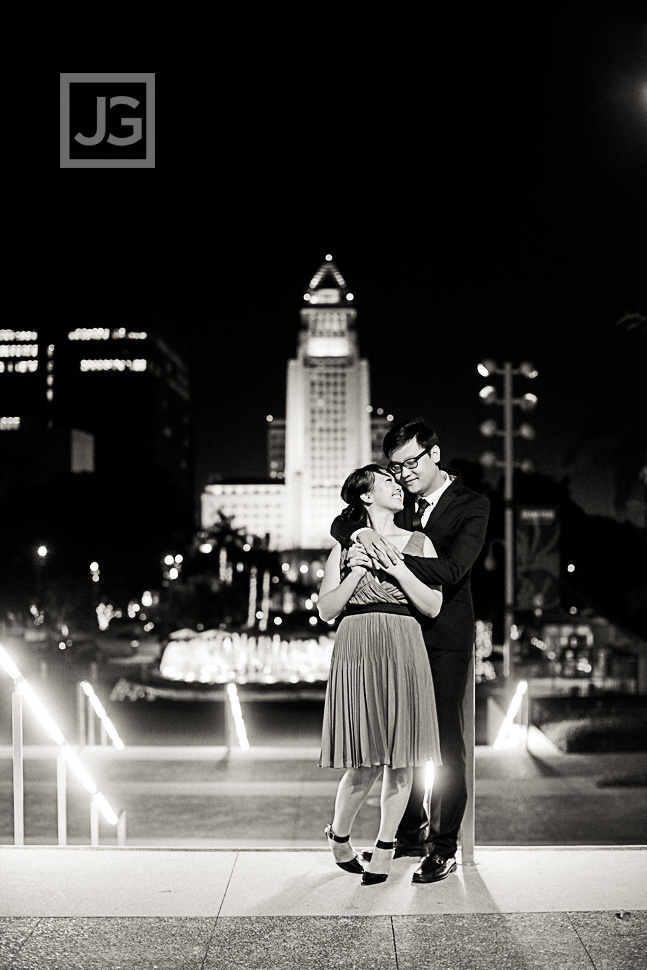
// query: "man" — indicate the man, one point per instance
point(455, 519)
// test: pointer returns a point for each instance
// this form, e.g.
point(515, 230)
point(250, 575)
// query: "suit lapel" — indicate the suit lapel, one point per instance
point(443, 503)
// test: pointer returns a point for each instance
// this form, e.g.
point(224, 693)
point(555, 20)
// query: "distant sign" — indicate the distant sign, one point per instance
point(537, 558)
point(526, 514)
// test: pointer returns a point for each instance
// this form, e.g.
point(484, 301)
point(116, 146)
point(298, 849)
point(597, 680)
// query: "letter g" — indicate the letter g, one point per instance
point(135, 123)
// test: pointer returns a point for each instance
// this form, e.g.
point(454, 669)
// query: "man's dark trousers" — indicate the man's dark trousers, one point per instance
point(438, 820)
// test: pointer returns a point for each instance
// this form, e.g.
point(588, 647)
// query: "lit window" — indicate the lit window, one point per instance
point(113, 365)
point(92, 333)
point(18, 350)
point(18, 335)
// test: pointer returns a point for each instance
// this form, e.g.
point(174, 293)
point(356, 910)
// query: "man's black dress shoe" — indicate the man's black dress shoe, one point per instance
point(434, 868)
point(400, 850)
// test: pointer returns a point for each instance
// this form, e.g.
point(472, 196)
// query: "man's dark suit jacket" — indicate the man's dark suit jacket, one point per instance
point(456, 526)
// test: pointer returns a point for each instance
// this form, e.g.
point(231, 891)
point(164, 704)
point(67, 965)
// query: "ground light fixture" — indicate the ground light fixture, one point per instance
point(503, 738)
point(237, 714)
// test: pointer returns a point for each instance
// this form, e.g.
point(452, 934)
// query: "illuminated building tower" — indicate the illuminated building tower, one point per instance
point(328, 431)
point(327, 424)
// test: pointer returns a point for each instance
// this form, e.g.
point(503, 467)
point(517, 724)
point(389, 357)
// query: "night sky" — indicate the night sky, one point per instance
point(485, 197)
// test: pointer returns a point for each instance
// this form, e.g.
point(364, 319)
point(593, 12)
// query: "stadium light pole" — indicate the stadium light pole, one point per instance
point(490, 428)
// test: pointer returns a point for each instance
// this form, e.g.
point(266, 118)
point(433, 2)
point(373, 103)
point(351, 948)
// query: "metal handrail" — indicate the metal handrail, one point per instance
point(65, 756)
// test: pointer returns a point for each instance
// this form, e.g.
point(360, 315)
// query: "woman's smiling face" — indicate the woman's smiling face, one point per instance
point(387, 493)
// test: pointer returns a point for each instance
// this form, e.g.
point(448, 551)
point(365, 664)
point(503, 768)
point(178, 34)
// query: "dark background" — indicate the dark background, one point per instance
point(481, 187)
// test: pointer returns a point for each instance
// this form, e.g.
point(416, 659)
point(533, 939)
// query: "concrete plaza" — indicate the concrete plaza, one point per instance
point(550, 908)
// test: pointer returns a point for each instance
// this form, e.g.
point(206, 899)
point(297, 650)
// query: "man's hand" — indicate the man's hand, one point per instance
point(381, 551)
point(358, 559)
point(395, 570)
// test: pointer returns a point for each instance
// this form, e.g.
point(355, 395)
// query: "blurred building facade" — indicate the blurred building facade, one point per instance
point(328, 430)
point(104, 398)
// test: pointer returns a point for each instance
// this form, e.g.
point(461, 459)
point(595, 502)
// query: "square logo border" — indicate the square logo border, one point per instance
point(67, 162)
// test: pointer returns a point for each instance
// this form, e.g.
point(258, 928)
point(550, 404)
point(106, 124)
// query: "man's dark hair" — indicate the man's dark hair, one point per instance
point(400, 434)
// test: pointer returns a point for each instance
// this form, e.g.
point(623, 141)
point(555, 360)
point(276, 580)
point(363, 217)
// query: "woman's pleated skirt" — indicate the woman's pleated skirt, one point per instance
point(380, 707)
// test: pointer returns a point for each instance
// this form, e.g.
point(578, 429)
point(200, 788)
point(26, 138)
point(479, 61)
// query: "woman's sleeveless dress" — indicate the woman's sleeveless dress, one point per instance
point(380, 707)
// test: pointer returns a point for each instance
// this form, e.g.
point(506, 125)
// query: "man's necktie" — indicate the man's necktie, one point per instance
point(417, 518)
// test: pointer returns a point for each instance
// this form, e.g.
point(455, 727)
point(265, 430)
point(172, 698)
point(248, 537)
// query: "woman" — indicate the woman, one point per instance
point(377, 714)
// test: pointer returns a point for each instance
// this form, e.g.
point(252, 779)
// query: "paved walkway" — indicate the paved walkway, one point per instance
point(541, 909)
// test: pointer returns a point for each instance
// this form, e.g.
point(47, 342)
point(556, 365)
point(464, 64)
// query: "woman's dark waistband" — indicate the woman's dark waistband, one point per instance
point(353, 609)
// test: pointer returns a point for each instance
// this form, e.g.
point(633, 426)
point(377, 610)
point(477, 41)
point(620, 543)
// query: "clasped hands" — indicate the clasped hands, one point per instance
point(372, 551)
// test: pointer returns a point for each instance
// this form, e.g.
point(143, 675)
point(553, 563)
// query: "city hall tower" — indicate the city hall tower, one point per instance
point(327, 424)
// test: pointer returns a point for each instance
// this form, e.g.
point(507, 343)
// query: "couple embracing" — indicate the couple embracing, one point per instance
point(400, 575)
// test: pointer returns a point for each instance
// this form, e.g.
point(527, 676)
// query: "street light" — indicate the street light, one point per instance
point(489, 429)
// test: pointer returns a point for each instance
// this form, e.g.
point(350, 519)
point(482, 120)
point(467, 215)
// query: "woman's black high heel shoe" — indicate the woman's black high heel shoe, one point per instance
point(372, 878)
point(353, 865)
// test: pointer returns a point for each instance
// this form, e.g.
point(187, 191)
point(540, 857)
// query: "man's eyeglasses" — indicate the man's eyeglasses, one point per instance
point(395, 467)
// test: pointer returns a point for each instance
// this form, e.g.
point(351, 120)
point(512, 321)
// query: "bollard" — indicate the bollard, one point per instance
point(18, 778)
point(61, 797)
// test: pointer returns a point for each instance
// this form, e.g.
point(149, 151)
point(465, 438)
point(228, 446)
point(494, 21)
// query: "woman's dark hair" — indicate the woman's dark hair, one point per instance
point(358, 482)
point(400, 434)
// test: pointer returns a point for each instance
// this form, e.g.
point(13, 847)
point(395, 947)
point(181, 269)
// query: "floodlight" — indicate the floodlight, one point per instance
point(528, 370)
point(488, 459)
point(488, 394)
point(528, 402)
point(486, 367)
point(489, 428)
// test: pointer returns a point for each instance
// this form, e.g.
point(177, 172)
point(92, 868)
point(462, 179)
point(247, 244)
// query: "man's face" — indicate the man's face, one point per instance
point(426, 476)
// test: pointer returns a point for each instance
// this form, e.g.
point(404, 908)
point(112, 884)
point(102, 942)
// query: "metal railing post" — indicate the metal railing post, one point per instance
point(469, 713)
point(61, 797)
point(18, 777)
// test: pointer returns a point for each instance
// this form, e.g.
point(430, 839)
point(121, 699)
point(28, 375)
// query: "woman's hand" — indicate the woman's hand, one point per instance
point(358, 559)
